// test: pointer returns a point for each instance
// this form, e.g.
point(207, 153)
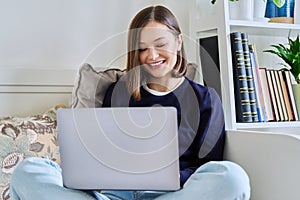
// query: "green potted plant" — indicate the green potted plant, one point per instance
point(291, 56)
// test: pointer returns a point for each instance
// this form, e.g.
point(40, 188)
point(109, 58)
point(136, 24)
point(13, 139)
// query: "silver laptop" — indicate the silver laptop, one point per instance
point(119, 148)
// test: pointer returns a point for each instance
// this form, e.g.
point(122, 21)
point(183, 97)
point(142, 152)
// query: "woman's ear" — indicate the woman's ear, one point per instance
point(179, 42)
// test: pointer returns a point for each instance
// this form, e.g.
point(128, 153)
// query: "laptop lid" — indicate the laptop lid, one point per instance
point(128, 148)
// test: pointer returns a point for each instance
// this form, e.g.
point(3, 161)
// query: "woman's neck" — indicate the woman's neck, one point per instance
point(163, 85)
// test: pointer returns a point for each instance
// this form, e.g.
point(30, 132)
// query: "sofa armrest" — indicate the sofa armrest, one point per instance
point(272, 161)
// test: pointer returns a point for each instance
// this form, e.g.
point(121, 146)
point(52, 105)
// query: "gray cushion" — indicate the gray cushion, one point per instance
point(91, 85)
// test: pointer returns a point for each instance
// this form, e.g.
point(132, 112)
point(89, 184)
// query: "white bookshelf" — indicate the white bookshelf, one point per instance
point(217, 23)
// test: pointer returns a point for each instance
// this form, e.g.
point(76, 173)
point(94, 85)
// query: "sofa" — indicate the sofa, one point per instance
point(270, 159)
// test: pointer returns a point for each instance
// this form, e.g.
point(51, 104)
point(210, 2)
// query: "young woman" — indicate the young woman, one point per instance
point(156, 65)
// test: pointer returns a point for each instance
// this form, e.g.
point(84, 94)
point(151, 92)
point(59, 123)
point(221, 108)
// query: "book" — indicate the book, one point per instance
point(249, 75)
point(261, 112)
point(285, 93)
point(287, 77)
point(241, 94)
point(266, 95)
point(281, 97)
point(276, 94)
point(272, 95)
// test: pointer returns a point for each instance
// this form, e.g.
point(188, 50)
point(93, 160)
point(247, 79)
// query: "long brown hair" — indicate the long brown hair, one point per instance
point(161, 15)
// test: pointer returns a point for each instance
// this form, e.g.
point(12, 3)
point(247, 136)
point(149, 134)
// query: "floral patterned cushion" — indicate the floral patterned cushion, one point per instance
point(25, 137)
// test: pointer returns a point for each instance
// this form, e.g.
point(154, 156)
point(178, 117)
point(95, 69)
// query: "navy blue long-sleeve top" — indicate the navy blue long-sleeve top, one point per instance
point(201, 129)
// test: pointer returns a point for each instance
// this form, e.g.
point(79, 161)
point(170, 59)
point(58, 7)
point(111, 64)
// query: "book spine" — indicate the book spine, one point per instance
point(266, 94)
point(242, 100)
point(276, 94)
point(285, 94)
point(249, 75)
point(272, 95)
point(287, 77)
point(261, 113)
point(281, 98)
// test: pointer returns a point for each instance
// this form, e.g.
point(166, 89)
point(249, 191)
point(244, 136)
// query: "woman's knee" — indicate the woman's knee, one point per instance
point(230, 179)
point(238, 180)
point(29, 167)
point(234, 173)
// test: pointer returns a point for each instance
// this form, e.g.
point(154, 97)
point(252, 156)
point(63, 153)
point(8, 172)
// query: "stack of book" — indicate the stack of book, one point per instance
point(261, 95)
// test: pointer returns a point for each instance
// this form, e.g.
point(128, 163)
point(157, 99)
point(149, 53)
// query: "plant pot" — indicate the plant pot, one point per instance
point(259, 9)
point(241, 10)
point(297, 12)
point(285, 14)
point(296, 90)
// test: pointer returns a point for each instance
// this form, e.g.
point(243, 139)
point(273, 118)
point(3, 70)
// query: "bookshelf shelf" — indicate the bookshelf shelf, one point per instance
point(218, 24)
point(264, 28)
point(281, 127)
point(251, 27)
point(258, 24)
point(290, 124)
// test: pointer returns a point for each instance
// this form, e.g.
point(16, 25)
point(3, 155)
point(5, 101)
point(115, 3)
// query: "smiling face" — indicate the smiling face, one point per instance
point(155, 50)
point(158, 48)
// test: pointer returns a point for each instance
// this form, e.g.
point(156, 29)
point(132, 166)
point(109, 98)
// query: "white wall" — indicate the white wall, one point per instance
point(63, 33)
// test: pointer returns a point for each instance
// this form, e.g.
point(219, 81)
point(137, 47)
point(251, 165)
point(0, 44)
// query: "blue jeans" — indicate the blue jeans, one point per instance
point(40, 179)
